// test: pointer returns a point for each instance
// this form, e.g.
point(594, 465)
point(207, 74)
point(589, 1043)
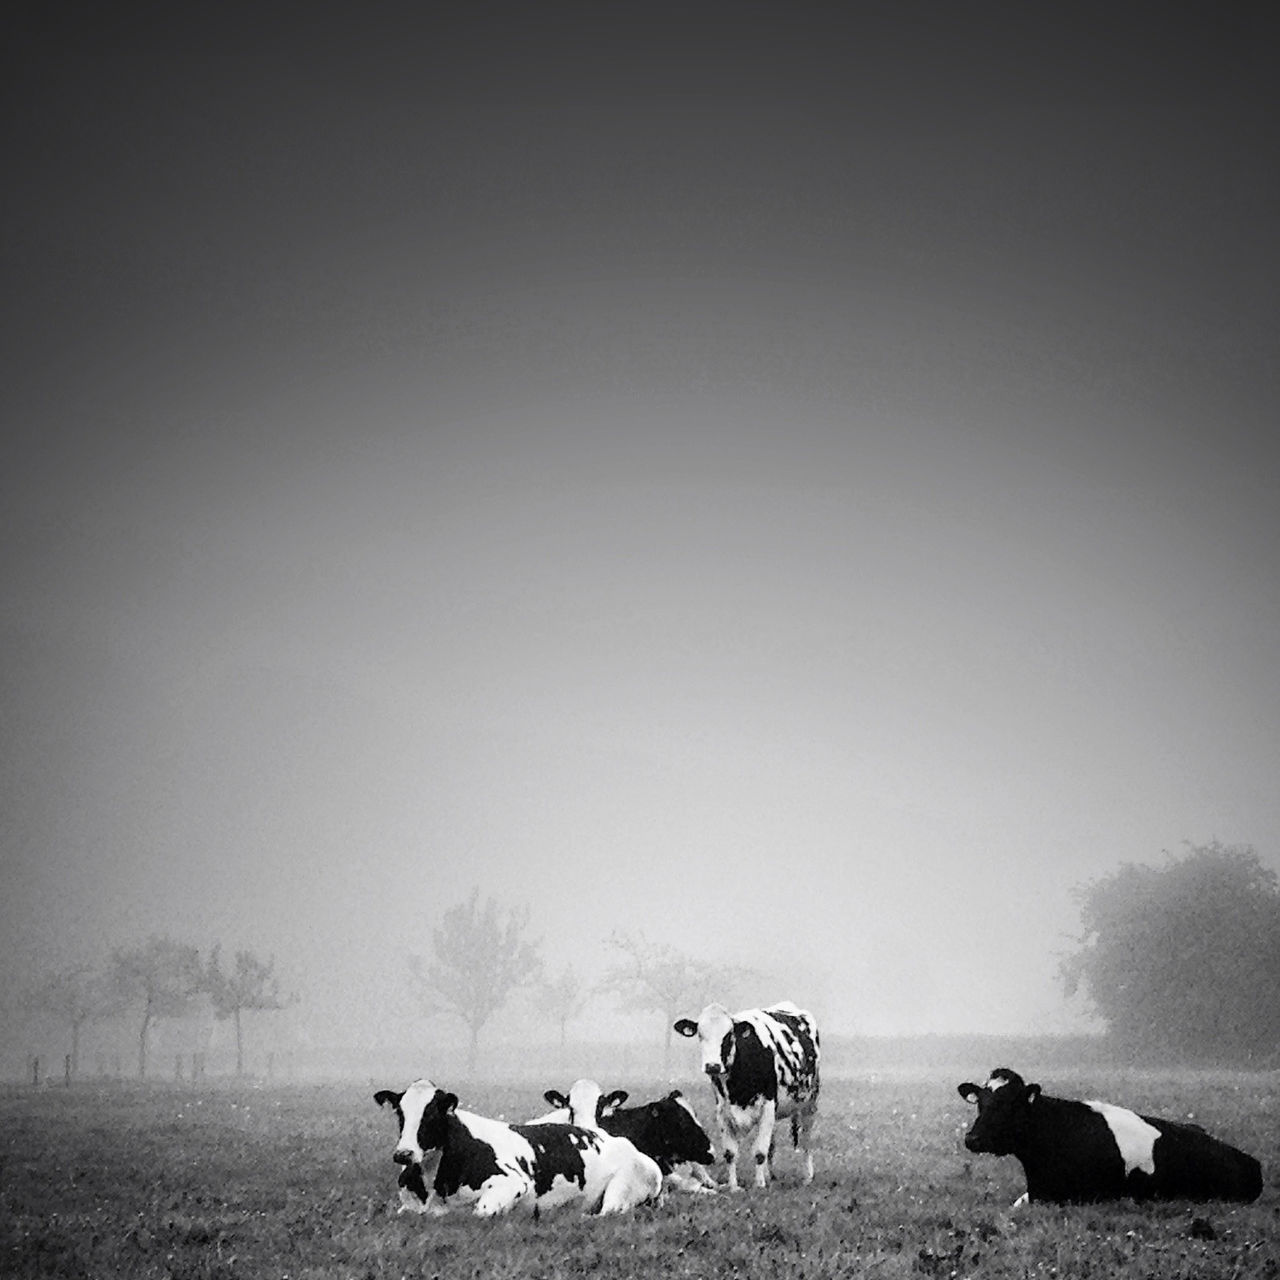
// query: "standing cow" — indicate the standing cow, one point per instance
point(763, 1066)
point(1084, 1151)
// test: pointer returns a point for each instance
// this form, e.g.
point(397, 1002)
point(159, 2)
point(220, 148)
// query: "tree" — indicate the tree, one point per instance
point(660, 979)
point(562, 999)
point(1183, 961)
point(162, 975)
point(478, 959)
point(251, 985)
point(75, 996)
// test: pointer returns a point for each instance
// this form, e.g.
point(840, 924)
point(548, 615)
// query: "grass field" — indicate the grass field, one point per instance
point(101, 1181)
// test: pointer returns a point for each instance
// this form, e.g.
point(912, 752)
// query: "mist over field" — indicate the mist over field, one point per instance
point(796, 486)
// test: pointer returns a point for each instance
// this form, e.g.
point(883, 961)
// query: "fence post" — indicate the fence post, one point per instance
point(35, 1070)
point(66, 1071)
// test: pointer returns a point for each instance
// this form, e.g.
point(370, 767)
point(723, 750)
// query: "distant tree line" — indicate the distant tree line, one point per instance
point(1182, 962)
point(157, 979)
point(480, 957)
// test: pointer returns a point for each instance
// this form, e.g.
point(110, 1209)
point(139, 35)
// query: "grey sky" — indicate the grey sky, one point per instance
point(802, 489)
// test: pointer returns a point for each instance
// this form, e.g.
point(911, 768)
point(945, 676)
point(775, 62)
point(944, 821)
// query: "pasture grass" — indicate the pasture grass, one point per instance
point(297, 1183)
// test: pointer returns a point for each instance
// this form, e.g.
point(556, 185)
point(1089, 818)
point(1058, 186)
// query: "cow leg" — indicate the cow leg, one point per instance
point(801, 1137)
point(434, 1204)
point(693, 1178)
point(764, 1142)
point(729, 1145)
point(501, 1195)
point(633, 1184)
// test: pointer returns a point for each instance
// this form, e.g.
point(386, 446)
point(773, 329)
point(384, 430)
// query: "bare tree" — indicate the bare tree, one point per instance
point(562, 999)
point(252, 984)
point(478, 959)
point(162, 976)
point(75, 996)
point(648, 977)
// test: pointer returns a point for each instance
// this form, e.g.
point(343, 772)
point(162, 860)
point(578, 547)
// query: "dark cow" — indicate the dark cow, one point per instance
point(497, 1167)
point(1074, 1152)
point(666, 1130)
point(763, 1066)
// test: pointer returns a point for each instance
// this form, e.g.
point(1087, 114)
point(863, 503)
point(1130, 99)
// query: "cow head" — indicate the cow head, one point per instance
point(1004, 1112)
point(421, 1110)
point(714, 1029)
point(606, 1105)
point(683, 1138)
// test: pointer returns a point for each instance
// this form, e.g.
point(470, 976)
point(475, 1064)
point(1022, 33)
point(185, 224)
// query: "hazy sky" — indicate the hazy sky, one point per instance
point(801, 487)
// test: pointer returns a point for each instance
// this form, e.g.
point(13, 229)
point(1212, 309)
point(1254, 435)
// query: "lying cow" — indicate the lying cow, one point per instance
point(1084, 1151)
point(498, 1167)
point(763, 1066)
point(665, 1130)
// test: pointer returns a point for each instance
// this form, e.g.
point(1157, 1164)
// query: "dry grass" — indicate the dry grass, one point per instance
point(298, 1182)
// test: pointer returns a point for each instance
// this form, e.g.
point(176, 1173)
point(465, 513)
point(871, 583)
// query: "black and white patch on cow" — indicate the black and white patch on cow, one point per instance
point(1085, 1151)
point(665, 1130)
point(763, 1067)
point(497, 1167)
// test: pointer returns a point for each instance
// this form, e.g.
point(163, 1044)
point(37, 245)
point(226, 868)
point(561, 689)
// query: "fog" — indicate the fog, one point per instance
point(802, 493)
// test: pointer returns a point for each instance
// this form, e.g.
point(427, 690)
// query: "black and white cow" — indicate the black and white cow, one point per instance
point(498, 1167)
point(763, 1066)
point(665, 1130)
point(1084, 1151)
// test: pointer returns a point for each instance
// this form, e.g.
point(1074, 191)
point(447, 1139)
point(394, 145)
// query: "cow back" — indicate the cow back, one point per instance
point(1192, 1164)
point(776, 1058)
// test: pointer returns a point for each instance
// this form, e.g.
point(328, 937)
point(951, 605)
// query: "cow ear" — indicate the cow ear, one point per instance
point(968, 1091)
point(674, 1094)
point(612, 1101)
point(686, 1027)
point(383, 1096)
point(447, 1102)
point(1033, 1092)
point(555, 1098)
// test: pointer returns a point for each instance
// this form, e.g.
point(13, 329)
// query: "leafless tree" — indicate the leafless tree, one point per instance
point(162, 976)
point(648, 977)
point(479, 957)
point(252, 984)
point(562, 999)
point(75, 996)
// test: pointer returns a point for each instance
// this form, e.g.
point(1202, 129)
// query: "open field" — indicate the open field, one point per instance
point(227, 1181)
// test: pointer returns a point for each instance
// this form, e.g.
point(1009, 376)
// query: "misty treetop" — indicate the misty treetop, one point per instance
point(251, 984)
point(160, 977)
point(648, 977)
point(479, 957)
point(1182, 961)
point(74, 996)
point(154, 980)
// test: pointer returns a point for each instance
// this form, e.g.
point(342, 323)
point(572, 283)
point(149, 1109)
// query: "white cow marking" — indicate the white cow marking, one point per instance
point(1134, 1136)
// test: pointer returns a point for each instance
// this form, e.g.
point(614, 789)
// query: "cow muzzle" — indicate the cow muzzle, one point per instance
point(402, 1155)
point(714, 1069)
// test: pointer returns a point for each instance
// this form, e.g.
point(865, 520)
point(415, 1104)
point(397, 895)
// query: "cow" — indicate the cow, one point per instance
point(498, 1167)
point(763, 1067)
point(665, 1130)
point(1076, 1152)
